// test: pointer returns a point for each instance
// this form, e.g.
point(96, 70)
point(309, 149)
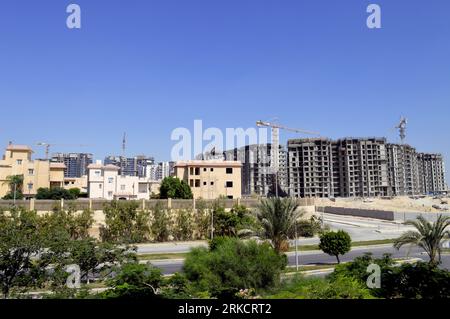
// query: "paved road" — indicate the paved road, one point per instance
point(313, 258)
point(360, 229)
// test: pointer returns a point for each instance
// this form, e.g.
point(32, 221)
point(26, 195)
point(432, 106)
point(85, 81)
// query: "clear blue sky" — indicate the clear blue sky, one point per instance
point(147, 67)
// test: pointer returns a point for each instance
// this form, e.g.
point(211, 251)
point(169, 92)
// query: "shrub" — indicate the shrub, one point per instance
point(184, 226)
point(125, 223)
point(234, 265)
point(309, 228)
point(335, 243)
point(319, 288)
point(160, 227)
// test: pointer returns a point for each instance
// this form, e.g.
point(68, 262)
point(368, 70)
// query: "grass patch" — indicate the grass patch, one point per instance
point(162, 256)
point(354, 245)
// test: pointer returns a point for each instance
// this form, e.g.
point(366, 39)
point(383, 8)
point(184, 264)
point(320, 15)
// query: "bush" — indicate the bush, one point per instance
point(10, 195)
point(125, 223)
point(309, 228)
point(319, 288)
point(233, 265)
point(57, 193)
point(335, 243)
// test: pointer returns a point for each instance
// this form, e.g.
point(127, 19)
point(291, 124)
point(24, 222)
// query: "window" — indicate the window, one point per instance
point(197, 183)
point(31, 172)
point(191, 183)
point(110, 194)
point(205, 183)
point(212, 169)
point(98, 173)
point(19, 162)
point(205, 169)
point(191, 171)
point(100, 186)
point(212, 183)
point(197, 171)
point(229, 184)
point(229, 170)
point(110, 180)
point(30, 186)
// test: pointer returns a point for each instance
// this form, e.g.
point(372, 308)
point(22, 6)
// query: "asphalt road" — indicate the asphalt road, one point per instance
point(317, 258)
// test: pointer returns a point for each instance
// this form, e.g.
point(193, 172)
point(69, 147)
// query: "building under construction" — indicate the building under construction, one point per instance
point(361, 167)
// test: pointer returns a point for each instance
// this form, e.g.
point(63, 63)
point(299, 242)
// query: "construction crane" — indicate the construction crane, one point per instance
point(48, 145)
point(402, 128)
point(275, 163)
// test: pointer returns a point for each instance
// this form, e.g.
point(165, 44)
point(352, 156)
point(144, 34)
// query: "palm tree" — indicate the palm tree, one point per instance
point(428, 236)
point(278, 218)
point(15, 183)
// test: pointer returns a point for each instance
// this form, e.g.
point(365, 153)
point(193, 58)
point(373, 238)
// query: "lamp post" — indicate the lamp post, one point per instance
point(14, 196)
point(296, 248)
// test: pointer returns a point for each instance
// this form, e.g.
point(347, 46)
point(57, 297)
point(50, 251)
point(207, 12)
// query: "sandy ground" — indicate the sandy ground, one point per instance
point(397, 204)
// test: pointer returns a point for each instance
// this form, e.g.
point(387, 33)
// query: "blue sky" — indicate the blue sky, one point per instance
point(147, 67)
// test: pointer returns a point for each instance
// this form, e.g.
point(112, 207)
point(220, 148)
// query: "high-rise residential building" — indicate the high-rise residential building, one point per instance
point(310, 168)
point(431, 169)
point(157, 172)
point(350, 167)
point(76, 163)
point(130, 166)
point(403, 167)
point(257, 172)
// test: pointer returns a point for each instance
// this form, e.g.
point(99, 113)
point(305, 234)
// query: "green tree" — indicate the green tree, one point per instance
point(278, 218)
point(173, 187)
point(125, 223)
point(135, 281)
point(20, 241)
point(160, 226)
point(184, 225)
point(233, 265)
point(15, 183)
point(428, 236)
point(335, 243)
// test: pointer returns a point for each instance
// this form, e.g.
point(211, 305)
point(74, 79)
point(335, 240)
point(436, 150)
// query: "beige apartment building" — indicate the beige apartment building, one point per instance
point(105, 182)
point(37, 173)
point(211, 179)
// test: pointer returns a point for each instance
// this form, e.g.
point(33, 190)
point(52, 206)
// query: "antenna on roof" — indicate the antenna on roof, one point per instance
point(123, 159)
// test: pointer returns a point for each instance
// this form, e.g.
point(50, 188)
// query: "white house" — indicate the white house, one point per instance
point(104, 182)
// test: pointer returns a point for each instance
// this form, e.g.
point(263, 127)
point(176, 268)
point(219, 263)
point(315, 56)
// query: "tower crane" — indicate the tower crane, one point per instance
point(48, 146)
point(276, 144)
point(402, 128)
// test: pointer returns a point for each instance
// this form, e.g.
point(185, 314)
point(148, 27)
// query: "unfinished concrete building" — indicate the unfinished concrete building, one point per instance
point(431, 170)
point(350, 167)
point(403, 171)
point(257, 174)
point(310, 168)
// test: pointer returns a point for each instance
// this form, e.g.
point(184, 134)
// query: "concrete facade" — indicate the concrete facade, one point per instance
point(211, 179)
point(36, 173)
point(105, 182)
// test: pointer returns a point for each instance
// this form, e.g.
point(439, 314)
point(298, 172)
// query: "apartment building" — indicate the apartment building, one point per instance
point(403, 166)
point(76, 163)
point(105, 182)
point(36, 173)
point(131, 166)
point(431, 172)
point(76, 182)
point(211, 179)
point(349, 167)
point(310, 168)
point(157, 172)
point(257, 172)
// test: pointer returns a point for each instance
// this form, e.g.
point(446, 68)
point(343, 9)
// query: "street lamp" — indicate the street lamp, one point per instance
point(296, 248)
